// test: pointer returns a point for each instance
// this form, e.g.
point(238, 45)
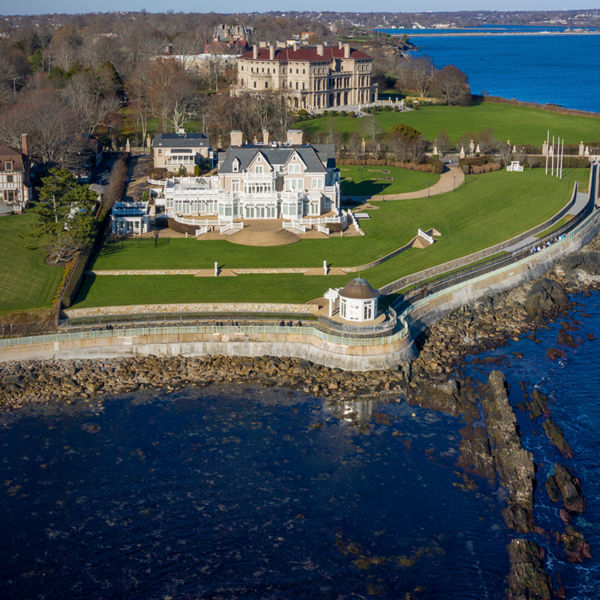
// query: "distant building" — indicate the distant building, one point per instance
point(175, 150)
point(289, 180)
point(232, 33)
point(15, 187)
point(202, 63)
point(130, 218)
point(310, 77)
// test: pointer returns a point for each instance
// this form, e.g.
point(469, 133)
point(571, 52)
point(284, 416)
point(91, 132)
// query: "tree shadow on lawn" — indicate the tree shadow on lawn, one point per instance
point(116, 245)
point(84, 288)
point(367, 187)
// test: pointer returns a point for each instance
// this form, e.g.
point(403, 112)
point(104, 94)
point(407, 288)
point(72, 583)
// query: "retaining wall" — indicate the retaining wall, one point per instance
point(219, 308)
point(298, 342)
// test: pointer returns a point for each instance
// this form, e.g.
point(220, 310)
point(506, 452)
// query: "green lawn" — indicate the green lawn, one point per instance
point(25, 280)
point(485, 211)
point(371, 181)
point(519, 124)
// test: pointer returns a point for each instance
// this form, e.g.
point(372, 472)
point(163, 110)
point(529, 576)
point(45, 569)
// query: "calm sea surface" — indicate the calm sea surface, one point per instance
point(550, 69)
point(242, 494)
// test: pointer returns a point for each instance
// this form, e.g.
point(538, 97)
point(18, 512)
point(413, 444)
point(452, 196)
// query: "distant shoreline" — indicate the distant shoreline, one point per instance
point(450, 33)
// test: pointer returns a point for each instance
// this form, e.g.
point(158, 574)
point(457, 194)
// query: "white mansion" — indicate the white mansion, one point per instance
point(278, 180)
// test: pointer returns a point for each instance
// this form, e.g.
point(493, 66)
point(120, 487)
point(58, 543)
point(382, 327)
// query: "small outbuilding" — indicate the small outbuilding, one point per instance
point(358, 301)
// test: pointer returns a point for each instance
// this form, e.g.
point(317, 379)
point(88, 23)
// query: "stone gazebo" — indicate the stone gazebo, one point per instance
point(356, 302)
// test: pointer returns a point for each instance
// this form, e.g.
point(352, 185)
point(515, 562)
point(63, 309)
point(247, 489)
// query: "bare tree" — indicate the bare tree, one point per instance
point(49, 123)
point(172, 93)
point(423, 72)
point(452, 85)
point(137, 88)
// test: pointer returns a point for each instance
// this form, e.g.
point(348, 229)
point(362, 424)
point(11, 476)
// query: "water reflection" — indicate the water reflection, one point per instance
point(242, 493)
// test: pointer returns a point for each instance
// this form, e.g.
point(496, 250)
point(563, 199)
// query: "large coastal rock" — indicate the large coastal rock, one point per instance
point(570, 490)
point(514, 465)
point(546, 297)
point(556, 436)
point(588, 262)
point(576, 547)
point(527, 579)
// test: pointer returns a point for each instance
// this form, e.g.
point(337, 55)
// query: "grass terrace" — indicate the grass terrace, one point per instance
point(488, 209)
point(26, 281)
point(372, 181)
point(519, 124)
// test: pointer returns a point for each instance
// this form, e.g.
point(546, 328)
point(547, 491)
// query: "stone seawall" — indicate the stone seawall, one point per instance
point(353, 355)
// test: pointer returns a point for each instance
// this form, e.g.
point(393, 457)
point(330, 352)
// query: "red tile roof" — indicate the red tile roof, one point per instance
point(306, 53)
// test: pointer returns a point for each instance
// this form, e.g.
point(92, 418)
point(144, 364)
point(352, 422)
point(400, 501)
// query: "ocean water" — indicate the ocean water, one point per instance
point(573, 383)
point(242, 493)
point(267, 493)
point(549, 69)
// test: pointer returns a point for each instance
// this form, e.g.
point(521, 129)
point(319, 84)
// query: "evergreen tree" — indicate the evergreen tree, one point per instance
point(65, 212)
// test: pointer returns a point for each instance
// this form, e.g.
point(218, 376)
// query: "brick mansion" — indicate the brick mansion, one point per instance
point(311, 77)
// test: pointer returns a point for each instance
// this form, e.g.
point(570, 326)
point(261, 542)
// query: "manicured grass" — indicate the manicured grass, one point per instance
point(488, 209)
point(519, 124)
point(371, 181)
point(153, 289)
point(25, 280)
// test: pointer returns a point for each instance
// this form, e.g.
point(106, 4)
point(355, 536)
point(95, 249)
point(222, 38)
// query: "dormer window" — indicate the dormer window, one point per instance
point(9, 166)
point(235, 167)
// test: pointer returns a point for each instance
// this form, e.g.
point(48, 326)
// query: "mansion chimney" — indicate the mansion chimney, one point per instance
point(255, 52)
point(236, 138)
point(320, 49)
point(346, 50)
point(294, 137)
point(24, 144)
point(266, 137)
point(271, 52)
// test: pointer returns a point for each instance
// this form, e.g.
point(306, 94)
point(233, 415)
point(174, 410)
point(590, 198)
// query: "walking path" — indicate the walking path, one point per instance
point(449, 180)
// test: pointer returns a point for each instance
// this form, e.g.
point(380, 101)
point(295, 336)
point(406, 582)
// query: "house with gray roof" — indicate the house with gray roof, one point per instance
point(172, 151)
point(269, 180)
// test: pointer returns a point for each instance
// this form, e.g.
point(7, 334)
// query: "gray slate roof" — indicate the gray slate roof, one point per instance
point(313, 156)
point(179, 140)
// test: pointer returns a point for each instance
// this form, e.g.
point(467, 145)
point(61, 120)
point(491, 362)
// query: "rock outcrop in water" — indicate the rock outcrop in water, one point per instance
point(570, 490)
point(514, 465)
point(527, 579)
point(557, 437)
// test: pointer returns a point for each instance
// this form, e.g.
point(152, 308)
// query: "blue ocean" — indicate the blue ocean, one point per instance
point(244, 492)
point(549, 69)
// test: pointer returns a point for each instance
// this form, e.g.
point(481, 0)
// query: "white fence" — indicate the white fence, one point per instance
point(157, 181)
point(231, 227)
point(354, 222)
point(201, 230)
point(323, 229)
point(294, 226)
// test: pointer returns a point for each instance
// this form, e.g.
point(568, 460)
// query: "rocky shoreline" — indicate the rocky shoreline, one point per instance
point(434, 380)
